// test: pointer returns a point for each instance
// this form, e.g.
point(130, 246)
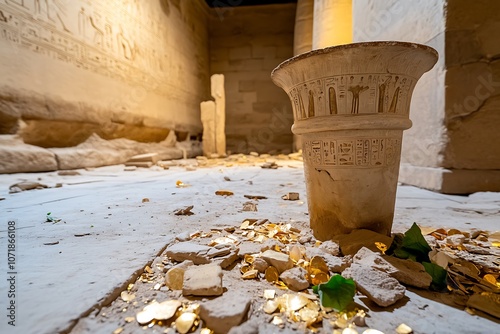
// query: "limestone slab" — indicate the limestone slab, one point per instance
point(19, 157)
point(191, 251)
point(203, 280)
point(225, 312)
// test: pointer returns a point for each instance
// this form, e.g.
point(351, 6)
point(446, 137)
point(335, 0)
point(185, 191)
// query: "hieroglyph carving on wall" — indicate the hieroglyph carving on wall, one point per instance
point(120, 39)
point(352, 152)
point(352, 94)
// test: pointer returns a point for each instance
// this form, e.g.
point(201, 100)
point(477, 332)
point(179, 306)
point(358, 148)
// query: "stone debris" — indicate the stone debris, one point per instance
point(409, 272)
point(68, 173)
point(174, 278)
point(278, 260)
point(255, 197)
point(227, 260)
point(330, 247)
point(291, 197)
point(224, 193)
point(203, 280)
point(223, 313)
point(295, 279)
point(185, 212)
point(381, 288)
point(335, 264)
point(351, 243)
point(219, 250)
point(260, 264)
point(182, 251)
point(270, 165)
point(249, 206)
point(26, 185)
point(18, 157)
point(373, 260)
point(456, 240)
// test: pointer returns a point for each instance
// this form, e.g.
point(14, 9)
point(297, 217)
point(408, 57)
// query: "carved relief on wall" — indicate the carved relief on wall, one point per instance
point(120, 39)
point(352, 152)
point(352, 94)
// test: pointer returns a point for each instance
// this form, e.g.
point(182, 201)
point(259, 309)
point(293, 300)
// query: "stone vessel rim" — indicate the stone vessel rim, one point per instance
point(351, 46)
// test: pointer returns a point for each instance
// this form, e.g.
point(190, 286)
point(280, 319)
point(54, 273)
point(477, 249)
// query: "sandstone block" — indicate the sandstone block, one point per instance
point(223, 313)
point(203, 280)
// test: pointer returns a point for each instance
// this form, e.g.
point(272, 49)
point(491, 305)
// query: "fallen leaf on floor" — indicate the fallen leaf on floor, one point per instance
point(255, 197)
point(249, 206)
point(2, 198)
point(145, 200)
point(26, 185)
point(185, 212)
point(224, 193)
point(53, 220)
point(337, 293)
point(82, 235)
point(291, 197)
point(226, 178)
point(51, 243)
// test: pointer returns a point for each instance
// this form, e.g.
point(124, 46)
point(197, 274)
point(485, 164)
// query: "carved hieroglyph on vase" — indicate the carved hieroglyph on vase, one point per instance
point(352, 94)
point(115, 38)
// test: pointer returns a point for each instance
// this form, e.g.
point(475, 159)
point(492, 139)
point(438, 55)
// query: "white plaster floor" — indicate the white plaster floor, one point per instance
point(58, 284)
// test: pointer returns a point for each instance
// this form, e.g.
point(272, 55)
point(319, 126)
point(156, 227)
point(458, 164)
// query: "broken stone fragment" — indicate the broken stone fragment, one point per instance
point(182, 251)
point(291, 197)
point(223, 313)
point(278, 260)
point(295, 278)
point(227, 260)
point(409, 272)
point(456, 240)
point(25, 185)
point(373, 260)
point(381, 288)
point(219, 251)
point(260, 264)
point(330, 247)
point(351, 243)
point(335, 264)
point(174, 278)
point(203, 280)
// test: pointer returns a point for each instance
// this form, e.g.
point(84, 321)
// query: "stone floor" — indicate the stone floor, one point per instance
point(114, 222)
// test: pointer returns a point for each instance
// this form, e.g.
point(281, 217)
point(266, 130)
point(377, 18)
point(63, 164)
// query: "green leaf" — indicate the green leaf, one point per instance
point(438, 275)
point(337, 293)
point(415, 243)
point(49, 213)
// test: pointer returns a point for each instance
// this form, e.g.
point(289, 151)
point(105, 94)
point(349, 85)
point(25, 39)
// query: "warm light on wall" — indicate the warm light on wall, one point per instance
point(332, 23)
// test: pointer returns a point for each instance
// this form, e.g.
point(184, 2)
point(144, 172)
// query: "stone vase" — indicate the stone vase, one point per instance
point(351, 104)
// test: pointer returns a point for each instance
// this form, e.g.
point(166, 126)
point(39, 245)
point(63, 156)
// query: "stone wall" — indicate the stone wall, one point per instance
point(456, 107)
point(246, 44)
point(119, 68)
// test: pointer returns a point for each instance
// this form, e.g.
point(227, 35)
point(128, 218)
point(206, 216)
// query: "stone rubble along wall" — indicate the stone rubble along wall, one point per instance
point(118, 70)
point(455, 107)
point(245, 47)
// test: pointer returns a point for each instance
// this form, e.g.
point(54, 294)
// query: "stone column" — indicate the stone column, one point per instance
point(332, 23)
point(208, 121)
point(217, 85)
point(303, 33)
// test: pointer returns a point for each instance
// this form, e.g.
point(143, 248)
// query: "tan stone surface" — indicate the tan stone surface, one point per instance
point(303, 32)
point(208, 117)
point(18, 157)
point(245, 48)
point(332, 23)
point(108, 57)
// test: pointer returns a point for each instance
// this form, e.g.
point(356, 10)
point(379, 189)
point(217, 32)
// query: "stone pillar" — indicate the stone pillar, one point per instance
point(208, 121)
point(452, 146)
point(332, 23)
point(302, 39)
point(303, 33)
point(217, 84)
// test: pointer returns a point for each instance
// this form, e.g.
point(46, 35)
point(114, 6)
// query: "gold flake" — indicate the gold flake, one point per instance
point(381, 246)
point(319, 278)
point(372, 331)
point(251, 274)
point(270, 306)
point(129, 319)
point(185, 322)
point(269, 294)
point(157, 286)
point(349, 330)
point(206, 331)
point(249, 258)
point(118, 330)
point(294, 302)
point(295, 253)
point(277, 321)
point(251, 235)
point(127, 297)
point(224, 193)
point(148, 270)
point(272, 274)
point(319, 263)
point(308, 315)
point(245, 268)
point(404, 329)
point(222, 241)
point(130, 286)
